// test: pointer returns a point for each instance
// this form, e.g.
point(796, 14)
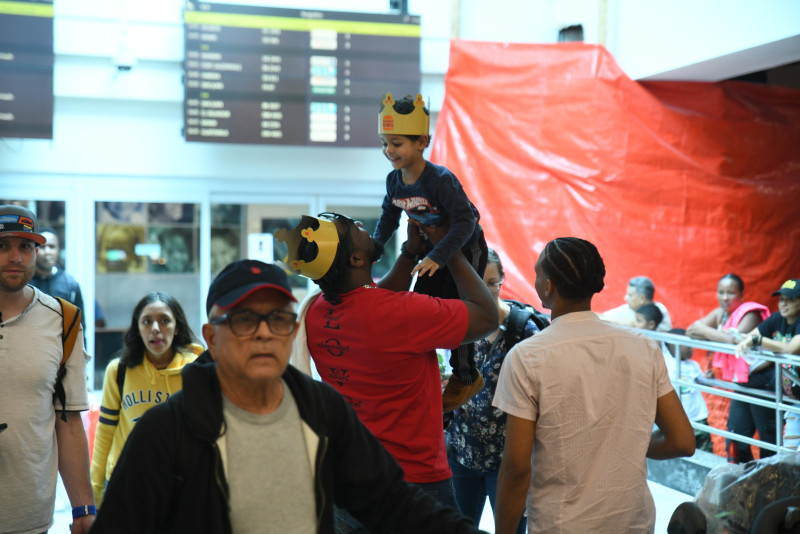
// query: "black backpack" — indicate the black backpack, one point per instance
point(518, 318)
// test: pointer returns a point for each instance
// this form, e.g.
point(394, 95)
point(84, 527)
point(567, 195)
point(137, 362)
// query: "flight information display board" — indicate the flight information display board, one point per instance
point(262, 75)
point(26, 69)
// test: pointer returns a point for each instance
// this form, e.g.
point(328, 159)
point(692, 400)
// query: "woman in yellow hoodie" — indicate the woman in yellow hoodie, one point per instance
point(158, 344)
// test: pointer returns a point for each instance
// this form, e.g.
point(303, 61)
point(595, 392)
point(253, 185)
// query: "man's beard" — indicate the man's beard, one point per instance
point(6, 286)
point(377, 251)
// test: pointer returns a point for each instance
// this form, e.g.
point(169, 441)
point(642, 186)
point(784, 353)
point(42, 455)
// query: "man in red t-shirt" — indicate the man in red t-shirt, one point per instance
point(375, 343)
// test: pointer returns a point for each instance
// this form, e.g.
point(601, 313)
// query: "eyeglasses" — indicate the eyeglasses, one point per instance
point(246, 322)
point(333, 216)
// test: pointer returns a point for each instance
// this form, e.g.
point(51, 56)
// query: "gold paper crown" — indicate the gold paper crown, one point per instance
point(415, 123)
point(326, 237)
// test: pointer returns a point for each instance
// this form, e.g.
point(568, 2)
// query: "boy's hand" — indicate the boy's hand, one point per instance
point(427, 265)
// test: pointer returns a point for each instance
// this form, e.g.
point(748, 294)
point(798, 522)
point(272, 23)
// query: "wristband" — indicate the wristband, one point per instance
point(756, 340)
point(86, 509)
point(406, 254)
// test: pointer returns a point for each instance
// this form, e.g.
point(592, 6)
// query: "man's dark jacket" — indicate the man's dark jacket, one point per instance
point(152, 491)
point(61, 284)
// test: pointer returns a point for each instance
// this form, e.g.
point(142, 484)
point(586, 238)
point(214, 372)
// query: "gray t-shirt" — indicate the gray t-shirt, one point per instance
point(269, 471)
point(30, 354)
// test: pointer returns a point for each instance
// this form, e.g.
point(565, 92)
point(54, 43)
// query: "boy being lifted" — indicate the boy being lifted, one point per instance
point(430, 195)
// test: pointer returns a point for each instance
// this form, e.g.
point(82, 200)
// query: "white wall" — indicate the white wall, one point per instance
point(653, 39)
point(527, 21)
point(707, 40)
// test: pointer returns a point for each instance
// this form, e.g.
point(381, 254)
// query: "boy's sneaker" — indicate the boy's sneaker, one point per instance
point(456, 393)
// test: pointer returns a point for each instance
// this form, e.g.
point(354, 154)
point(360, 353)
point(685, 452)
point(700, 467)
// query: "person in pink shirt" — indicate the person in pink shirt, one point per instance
point(733, 319)
point(727, 324)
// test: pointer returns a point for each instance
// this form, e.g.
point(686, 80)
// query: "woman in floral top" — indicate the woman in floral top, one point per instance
point(476, 436)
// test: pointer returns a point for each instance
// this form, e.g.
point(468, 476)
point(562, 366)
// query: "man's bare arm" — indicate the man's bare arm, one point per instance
point(675, 436)
point(73, 464)
point(515, 474)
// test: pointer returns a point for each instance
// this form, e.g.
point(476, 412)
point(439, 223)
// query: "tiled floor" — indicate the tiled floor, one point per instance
point(666, 501)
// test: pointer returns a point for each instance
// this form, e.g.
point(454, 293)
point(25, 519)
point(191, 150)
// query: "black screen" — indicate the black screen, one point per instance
point(26, 69)
point(264, 75)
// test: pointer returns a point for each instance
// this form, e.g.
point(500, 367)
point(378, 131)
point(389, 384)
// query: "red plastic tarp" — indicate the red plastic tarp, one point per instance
point(679, 181)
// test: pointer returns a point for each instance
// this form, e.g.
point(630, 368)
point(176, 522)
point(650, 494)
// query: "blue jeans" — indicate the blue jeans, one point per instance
point(442, 491)
point(472, 488)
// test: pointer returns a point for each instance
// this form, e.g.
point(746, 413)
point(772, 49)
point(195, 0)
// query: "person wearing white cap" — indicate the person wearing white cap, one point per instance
point(36, 442)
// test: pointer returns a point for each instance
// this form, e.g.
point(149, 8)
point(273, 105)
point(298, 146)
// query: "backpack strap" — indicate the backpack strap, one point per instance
point(121, 368)
point(540, 319)
point(517, 319)
point(71, 317)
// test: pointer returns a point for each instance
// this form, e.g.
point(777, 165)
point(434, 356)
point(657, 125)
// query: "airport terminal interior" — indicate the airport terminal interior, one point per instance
point(182, 135)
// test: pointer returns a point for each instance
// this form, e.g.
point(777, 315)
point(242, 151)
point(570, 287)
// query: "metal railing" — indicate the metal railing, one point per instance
point(734, 391)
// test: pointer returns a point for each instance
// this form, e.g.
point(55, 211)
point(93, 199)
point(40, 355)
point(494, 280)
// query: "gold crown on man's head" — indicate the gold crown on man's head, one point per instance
point(326, 237)
point(415, 123)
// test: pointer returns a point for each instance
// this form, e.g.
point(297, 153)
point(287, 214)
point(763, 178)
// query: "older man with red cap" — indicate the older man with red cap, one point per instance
point(253, 445)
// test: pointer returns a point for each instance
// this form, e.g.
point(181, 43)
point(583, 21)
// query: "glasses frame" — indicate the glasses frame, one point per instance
point(262, 317)
point(333, 216)
point(495, 284)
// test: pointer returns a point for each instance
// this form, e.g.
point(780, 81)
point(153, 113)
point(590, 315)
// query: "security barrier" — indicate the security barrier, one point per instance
point(775, 400)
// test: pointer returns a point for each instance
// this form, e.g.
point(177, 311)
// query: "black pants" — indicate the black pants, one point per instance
point(442, 285)
point(744, 419)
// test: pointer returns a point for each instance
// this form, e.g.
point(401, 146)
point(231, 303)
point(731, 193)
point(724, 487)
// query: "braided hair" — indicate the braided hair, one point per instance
point(575, 267)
